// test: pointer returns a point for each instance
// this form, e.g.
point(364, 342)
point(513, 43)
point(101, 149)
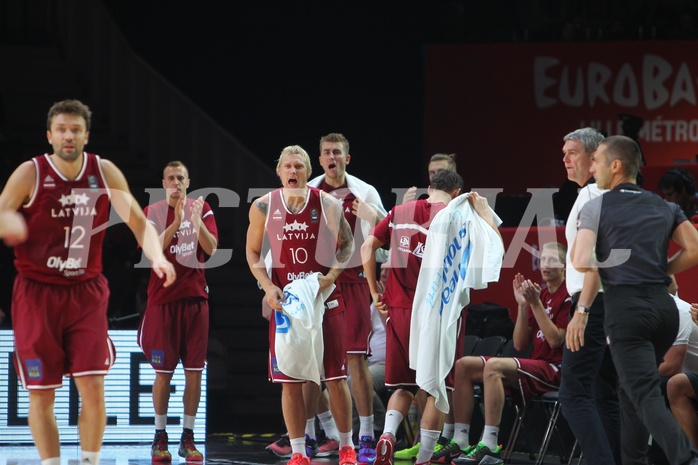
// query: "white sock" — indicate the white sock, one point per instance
point(310, 427)
point(189, 421)
point(490, 436)
point(52, 461)
point(160, 421)
point(89, 458)
point(328, 425)
point(298, 446)
point(428, 440)
point(366, 428)
point(447, 432)
point(345, 440)
point(461, 435)
point(393, 418)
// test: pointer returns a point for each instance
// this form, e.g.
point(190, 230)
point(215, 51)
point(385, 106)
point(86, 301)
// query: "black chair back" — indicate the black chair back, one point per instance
point(491, 346)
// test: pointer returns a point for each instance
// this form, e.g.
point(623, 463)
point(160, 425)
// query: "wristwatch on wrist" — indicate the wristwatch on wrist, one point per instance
point(583, 309)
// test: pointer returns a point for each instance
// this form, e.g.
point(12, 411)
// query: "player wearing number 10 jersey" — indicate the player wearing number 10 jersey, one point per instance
point(307, 233)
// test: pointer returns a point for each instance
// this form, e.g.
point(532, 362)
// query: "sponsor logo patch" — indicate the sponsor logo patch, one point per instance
point(35, 370)
point(157, 357)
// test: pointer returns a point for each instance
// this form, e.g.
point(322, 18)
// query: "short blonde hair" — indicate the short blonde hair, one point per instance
point(295, 149)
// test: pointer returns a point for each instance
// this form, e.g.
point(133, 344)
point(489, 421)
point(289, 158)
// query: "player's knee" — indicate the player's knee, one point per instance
point(677, 387)
point(493, 367)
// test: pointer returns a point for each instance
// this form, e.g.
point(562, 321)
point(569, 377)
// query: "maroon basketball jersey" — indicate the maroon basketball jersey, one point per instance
point(405, 229)
point(301, 243)
point(184, 252)
point(66, 221)
point(557, 307)
point(354, 272)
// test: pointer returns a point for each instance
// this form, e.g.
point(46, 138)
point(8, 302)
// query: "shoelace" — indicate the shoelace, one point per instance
point(297, 459)
point(188, 441)
point(162, 442)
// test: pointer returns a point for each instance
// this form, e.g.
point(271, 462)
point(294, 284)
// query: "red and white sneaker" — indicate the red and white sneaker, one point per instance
point(347, 456)
point(385, 448)
point(298, 459)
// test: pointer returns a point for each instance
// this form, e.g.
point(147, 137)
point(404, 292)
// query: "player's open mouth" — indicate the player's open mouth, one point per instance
point(331, 166)
point(292, 182)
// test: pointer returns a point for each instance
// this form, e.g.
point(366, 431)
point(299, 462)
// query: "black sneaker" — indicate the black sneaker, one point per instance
point(187, 449)
point(447, 453)
point(476, 454)
point(158, 450)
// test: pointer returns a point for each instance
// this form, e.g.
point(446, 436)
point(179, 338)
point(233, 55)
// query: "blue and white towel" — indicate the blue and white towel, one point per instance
point(462, 252)
point(298, 340)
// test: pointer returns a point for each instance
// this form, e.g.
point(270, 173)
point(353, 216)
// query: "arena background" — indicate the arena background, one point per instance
point(224, 86)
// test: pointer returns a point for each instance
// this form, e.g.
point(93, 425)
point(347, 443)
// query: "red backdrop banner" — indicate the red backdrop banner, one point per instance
point(505, 108)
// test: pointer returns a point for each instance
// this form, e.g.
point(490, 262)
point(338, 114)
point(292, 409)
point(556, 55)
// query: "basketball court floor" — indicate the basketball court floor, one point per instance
point(220, 449)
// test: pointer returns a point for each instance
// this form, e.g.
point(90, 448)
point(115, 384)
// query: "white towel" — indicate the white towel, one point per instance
point(298, 339)
point(462, 252)
point(368, 194)
point(362, 190)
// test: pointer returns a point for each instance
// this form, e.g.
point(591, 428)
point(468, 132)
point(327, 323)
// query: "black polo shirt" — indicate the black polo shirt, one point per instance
point(636, 224)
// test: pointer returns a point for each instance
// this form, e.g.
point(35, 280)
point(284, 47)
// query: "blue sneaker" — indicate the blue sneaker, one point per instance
point(310, 446)
point(367, 449)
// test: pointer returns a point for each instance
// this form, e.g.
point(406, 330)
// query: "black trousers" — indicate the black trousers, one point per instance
point(642, 323)
point(589, 391)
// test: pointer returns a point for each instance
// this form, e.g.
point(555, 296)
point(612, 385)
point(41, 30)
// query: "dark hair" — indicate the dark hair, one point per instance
point(335, 137)
point(626, 150)
point(679, 180)
point(70, 107)
point(446, 181)
point(176, 164)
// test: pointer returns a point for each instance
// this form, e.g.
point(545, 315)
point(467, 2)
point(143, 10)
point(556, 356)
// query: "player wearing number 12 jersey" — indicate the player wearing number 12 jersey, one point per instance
point(59, 302)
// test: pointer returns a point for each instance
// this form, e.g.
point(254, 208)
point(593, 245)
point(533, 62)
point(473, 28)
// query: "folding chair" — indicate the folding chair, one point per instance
point(489, 346)
point(470, 341)
point(550, 402)
point(508, 350)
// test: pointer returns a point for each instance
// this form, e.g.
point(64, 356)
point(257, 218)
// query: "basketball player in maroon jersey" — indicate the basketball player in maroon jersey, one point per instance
point(307, 233)
point(362, 209)
point(541, 324)
point(59, 303)
point(175, 322)
point(404, 230)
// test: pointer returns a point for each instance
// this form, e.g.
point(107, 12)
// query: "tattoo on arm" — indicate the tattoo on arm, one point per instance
point(262, 207)
point(345, 241)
